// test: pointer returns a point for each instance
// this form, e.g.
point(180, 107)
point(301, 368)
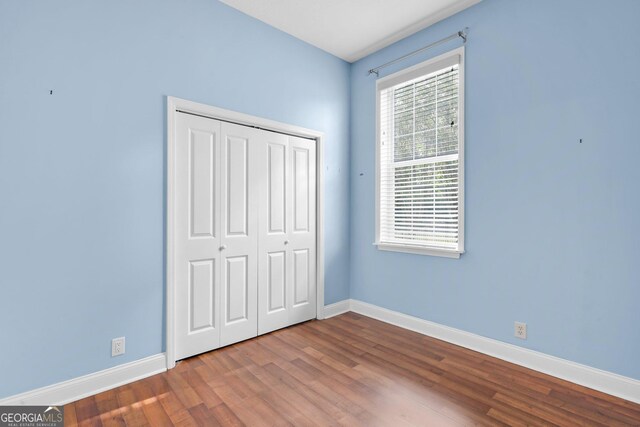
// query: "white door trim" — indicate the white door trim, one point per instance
point(174, 104)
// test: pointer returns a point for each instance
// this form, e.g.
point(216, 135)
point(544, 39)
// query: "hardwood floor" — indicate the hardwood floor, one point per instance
point(354, 371)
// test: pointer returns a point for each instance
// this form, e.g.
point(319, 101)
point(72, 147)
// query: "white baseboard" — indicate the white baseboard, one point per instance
point(597, 379)
point(337, 308)
point(87, 385)
point(607, 382)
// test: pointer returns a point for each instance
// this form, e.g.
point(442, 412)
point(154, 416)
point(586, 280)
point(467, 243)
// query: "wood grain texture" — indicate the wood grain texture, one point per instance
point(350, 370)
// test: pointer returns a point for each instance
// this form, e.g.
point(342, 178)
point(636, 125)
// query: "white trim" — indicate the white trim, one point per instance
point(426, 67)
point(174, 104)
point(320, 226)
point(597, 379)
point(88, 385)
point(412, 29)
point(169, 285)
point(461, 150)
point(419, 250)
point(337, 308)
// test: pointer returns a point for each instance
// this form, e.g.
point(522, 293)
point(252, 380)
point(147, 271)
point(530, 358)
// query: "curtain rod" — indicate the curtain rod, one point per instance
point(462, 34)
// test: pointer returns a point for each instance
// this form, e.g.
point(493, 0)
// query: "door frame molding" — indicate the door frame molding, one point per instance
point(174, 104)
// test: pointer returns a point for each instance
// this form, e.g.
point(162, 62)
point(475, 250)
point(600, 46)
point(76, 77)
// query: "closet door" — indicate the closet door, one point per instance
point(274, 258)
point(302, 235)
point(239, 234)
point(197, 235)
point(286, 251)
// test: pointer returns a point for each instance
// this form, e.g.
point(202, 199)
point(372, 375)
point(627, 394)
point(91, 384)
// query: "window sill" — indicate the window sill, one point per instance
point(420, 250)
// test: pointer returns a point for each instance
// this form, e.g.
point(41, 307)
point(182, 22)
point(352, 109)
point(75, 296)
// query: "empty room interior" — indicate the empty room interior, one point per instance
point(319, 213)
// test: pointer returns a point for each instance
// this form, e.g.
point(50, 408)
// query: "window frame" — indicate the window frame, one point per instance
point(405, 75)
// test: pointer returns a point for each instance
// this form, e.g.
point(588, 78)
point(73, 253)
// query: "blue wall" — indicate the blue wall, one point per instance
point(552, 225)
point(552, 229)
point(82, 171)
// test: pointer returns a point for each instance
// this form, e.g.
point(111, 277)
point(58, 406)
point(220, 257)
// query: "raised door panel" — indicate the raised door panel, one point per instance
point(237, 290)
point(201, 183)
point(202, 295)
point(301, 192)
point(301, 277)
point(276, 196)
point(276, 282)
point(196, 234)
point(237, 160)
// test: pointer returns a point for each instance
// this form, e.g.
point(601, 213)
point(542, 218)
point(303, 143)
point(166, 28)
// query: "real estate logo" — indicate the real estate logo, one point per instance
point(31, 416)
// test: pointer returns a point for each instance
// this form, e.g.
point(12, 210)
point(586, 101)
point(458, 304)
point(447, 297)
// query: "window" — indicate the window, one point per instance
point(420, 147)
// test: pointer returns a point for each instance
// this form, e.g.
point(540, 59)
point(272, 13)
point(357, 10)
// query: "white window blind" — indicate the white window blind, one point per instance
point(420, 157)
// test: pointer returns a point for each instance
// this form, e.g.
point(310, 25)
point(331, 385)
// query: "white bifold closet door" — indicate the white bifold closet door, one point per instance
point(287, 241)
point(197, 236)
point(245, 233)
point(239, 236)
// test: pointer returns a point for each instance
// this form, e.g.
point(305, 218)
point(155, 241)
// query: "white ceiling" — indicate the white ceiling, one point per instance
point(350, 29)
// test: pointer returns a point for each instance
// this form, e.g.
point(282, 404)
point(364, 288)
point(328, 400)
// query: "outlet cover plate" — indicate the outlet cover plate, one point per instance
point(520, 330)
point(117, 346)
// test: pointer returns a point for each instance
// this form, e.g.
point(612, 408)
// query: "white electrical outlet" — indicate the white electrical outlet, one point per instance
point(117, 346)
point(521, 330)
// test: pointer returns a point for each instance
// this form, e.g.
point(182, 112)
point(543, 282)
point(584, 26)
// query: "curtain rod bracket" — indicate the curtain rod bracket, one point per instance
point(463, 35)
